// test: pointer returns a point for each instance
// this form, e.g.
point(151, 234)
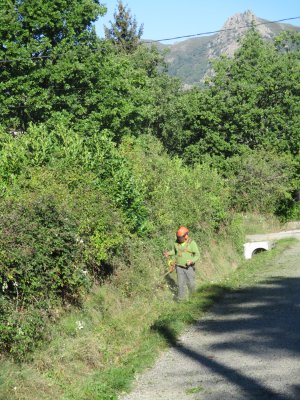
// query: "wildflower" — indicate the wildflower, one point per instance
point(79, 325)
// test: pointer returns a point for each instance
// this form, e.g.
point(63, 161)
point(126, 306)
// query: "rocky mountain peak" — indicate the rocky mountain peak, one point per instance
point(227, 41)
point(240, 19)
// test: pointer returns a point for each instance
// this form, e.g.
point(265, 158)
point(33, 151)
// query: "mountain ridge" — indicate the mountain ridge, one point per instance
point(190, 59)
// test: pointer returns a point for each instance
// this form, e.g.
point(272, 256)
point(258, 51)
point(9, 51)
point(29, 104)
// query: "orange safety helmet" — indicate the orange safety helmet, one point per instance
point(182, 231)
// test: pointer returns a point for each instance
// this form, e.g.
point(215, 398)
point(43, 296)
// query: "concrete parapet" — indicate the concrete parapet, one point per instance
point(251, 248)
point(262, 242)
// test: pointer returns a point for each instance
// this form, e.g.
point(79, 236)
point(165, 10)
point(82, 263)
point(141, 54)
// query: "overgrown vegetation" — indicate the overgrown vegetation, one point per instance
point(103, 155)
point(96, 351)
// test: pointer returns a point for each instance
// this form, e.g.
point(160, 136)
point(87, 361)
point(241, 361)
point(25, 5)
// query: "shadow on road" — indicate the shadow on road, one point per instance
point(269, 315)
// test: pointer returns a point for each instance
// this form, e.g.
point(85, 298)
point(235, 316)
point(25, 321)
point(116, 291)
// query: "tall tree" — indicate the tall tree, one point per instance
point(259, 90)
point(46, 47)
point(124, 31)
point(252, 101)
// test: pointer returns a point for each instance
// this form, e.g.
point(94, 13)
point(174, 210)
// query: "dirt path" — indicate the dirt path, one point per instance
point(248, 347)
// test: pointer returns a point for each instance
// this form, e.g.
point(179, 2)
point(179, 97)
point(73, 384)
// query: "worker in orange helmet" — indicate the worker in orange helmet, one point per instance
point(186, 254)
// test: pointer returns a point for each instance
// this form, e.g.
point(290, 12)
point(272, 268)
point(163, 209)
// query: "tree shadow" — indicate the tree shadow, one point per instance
point(270, 311)
point(296, 390)
point(265, 317)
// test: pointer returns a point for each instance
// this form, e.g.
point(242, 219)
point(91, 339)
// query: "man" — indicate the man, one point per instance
point(186, 253)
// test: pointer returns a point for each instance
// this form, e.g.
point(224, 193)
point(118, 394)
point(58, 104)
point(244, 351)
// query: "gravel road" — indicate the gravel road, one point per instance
point(247, 347)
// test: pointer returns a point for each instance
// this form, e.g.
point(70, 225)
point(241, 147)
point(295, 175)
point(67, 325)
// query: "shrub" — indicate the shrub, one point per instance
point(21, 330)
point(40, 250)
point(175, 194)
point(58, 232)
point(61, 147)
point(260, 181)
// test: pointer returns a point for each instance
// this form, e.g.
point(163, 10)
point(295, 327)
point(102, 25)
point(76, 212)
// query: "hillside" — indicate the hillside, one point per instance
point(103, 157)
point(189, 59)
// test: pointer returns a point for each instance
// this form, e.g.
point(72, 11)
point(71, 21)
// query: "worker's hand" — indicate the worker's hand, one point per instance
point(189, 263)
point(166, 253)
point(172, 266)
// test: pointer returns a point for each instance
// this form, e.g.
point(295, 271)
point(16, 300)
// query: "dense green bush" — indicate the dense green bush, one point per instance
point(63, 147)
point(40, 249)
point(260, 181)
point(58, 231)
point(176, 194)
point(21, 330)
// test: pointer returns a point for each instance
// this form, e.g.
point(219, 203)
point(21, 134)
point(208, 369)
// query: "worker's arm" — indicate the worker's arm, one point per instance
point(168, 253)
point(194, 253)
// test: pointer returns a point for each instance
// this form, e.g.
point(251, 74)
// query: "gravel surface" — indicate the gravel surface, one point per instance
point(274, 236)
point(247, 347)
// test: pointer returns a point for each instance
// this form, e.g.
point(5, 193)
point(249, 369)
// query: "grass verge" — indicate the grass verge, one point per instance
point(96, 352)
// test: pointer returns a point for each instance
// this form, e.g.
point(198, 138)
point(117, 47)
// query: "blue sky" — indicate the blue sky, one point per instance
point(172, 18)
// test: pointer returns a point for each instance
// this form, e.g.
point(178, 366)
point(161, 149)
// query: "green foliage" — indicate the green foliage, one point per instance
point(40, 253)
point(21, 331)
point(289, 209)
point(85, 187)
point(177, 195)
point(58, 230)
point(193, 390)
point(51, 49)
point(260, 181)
point(124, 32)
point(62, 146)
point(236, 231)
point(251, 101)
point(72, 203)
point(67, 73)
point(41, 265)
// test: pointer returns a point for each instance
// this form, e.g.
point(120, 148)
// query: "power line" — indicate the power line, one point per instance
point(3, 61)
point(220, 30)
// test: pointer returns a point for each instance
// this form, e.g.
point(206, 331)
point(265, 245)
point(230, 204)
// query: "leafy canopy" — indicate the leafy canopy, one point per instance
point(47, 50)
